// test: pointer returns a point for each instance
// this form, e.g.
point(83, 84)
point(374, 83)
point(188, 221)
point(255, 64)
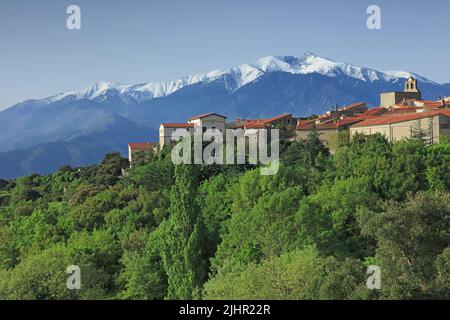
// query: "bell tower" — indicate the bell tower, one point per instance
point(411, 85)
point(411, 92)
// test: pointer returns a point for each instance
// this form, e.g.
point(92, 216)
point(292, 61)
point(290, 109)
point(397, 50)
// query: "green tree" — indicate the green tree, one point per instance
point(328, 220)
point(437, 163)
point(423, 135)
point(155, 175)
point(266, 230)
point(407, 172)
point(442, 281)
point(215, 202)
point(143, 275)
point(314, 144)
point(297, 275)
point(183, 253)
point(43, 276)
point(143, 157)
point(410, 236)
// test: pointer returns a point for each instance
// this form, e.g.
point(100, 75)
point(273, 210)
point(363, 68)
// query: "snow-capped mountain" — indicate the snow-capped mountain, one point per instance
point(237, 77)
point(78, 127)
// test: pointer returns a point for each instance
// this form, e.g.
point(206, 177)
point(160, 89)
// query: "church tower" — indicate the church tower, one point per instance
point(411, 91)
point(411, 85)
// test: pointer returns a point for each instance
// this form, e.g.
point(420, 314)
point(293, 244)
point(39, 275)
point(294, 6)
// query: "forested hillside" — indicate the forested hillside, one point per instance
point(226, 232)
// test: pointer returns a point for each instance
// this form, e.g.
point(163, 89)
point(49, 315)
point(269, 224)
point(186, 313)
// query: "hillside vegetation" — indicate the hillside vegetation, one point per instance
point(227, 232)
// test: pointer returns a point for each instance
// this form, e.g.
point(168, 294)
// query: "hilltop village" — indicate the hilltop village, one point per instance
point(397, 117)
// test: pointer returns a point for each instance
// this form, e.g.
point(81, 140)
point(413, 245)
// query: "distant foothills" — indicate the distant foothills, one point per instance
point(78, 128)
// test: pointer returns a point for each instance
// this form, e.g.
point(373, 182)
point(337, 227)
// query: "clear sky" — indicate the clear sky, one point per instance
point(133, 41)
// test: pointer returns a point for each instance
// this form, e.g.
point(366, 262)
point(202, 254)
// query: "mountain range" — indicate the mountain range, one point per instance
point(78, 128)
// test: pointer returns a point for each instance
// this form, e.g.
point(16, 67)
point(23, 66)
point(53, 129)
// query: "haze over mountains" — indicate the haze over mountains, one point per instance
point(78, 128)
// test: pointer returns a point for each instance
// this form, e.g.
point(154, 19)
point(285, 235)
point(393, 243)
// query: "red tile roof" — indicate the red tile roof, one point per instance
point(428, 101)
point(256, 125)
point(277, 118)
point(140, 145)
point(177, 125)
point(401, 110)
point(342, 122)
point(264, 123)
point(326, 117)
point(352, 106)
point(206, 115)
point(303, 122)
point(375, 111)
point(307, 125)
point(421, 103)
point(376, 121)
point(433, 104)
point(331, 124)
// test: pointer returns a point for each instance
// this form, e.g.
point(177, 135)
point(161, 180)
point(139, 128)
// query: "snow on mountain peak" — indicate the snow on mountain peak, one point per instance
point(99, 89)
point(241, 75)
point(407, 74)
point(312, 63)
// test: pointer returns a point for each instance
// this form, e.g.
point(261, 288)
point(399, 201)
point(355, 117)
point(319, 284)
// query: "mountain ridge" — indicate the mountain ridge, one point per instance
point(242, 75)
point(109, 115)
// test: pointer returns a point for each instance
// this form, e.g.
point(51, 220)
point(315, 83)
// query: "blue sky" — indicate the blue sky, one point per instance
point(133, 41)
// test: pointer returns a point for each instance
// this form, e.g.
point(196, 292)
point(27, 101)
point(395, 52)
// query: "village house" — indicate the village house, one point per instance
point(411, 91)
point(397, 118)
point(399, 114)
point(285, 122)
point(211, 121)
point(205, 121)
point(167, 129)
point(434, 124)
point(330, 124)
point(134, 148)
point(328, 131)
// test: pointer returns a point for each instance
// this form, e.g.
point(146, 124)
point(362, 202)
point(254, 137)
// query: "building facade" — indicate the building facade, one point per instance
point(411, 91)
point(135, 148)
point(435, 124)
point(166, 130)
point(202, 122)
point(398, 116)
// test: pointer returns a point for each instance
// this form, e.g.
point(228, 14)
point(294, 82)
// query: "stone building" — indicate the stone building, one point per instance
point(205, 121)
point(285, 122)
point(330, 124)
point(435, 124)
point(328, 131)
point(136, 147)
point(411, 91)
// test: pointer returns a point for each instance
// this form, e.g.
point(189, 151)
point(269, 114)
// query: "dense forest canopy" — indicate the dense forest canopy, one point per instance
point(226, 232)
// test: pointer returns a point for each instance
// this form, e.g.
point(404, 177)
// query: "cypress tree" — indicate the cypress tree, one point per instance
point(183, 254)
